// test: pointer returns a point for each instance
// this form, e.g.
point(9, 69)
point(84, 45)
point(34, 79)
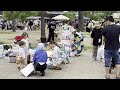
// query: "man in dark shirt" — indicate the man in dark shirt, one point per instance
point(30, 25)
point(111, 38)
point(52, 27)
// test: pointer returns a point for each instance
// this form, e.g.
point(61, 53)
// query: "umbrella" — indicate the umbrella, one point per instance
point(33, 18)
point(60, 17)
point(36, 18)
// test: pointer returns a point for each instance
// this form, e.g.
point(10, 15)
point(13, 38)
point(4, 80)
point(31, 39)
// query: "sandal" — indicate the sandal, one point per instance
point(118, 77)
point(58, 68)
point(107, 77)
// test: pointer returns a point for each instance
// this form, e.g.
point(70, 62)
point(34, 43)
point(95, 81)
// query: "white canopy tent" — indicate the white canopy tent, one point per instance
point(60, 17)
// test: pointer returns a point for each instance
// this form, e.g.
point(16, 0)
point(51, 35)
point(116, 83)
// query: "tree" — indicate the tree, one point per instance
point(11, 15)
point(23, 14)
point(20, 15)
point(43, 37)
point(70, 15)
point(81, 22)
point(97, 15)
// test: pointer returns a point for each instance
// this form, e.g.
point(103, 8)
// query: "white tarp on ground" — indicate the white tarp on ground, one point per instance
point(28, 70)
point(60, 17)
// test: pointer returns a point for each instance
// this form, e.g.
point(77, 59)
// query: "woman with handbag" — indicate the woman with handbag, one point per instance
point(97, 39)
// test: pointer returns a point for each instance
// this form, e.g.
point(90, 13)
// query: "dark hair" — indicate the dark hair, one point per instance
point(24, 34)
point(52, 20)
point(109, 18)
point(21, 43)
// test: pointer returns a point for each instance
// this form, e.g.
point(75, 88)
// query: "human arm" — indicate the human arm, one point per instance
point(34, 59)
point(48, 26)
point(93, 34)
point(45, 56)
point(103, 36)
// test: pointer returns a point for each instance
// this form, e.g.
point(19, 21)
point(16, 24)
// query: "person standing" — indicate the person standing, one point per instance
point(51, 27)
point(26, 40)
point(111, 38)
point(30, 24)
point(96, 39)
point(21, 55)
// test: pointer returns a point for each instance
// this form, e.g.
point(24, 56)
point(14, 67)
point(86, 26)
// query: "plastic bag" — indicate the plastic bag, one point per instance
point(100, 53)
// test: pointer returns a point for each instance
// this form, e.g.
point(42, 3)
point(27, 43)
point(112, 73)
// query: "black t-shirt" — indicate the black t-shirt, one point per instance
point(30, 23)
point(97, 37)
point(111, 34)
point(51, 27)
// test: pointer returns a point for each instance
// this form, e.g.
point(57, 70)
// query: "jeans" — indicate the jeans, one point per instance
point(108, 56)
point(95, 50)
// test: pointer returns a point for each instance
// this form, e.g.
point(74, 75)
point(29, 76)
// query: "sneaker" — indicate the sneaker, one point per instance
point(118, 77)
point(68, 62)
point(58, 68)
point(107, 77)
point(43, 74)
point(94, 60)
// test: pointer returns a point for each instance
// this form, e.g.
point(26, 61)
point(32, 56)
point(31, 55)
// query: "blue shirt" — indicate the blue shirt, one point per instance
point(40, 56)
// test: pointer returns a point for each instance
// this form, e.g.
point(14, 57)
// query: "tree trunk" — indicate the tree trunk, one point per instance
point(14, 25)
point(43, 37)
point(13, 21)
point(81, 22)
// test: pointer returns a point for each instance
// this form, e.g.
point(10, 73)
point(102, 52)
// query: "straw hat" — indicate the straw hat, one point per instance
point(97, 24)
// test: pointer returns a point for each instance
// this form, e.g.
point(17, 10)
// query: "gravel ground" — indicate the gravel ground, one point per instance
point(81, 67)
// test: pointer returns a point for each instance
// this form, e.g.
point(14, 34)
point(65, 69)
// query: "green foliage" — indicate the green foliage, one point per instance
point(97, 15)
point(70, 15)
point(21, 15)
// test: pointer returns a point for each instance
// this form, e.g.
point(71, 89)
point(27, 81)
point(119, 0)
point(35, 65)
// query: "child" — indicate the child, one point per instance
point(26, 40)
point(56, 58)
point(21, 55)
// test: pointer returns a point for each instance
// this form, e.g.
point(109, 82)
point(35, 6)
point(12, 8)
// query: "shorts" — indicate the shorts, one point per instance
point(108, 56)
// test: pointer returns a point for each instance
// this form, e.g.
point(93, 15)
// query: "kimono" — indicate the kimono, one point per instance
point(78, 39)
point(56, 58)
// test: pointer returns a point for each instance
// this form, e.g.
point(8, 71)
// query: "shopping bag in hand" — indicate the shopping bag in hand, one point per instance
point(100, 53)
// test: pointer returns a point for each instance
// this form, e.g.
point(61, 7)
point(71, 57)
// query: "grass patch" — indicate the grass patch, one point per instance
point(88, 48)
point(6, 32)
point(2, 42)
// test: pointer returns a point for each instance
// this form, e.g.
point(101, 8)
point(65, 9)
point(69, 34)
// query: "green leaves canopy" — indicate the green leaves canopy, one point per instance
point(70, 15)
point(21, 15)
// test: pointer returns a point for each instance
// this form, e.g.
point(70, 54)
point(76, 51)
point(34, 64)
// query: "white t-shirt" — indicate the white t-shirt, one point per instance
point(26, 47)
point(21, 52)
point(26, 41)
